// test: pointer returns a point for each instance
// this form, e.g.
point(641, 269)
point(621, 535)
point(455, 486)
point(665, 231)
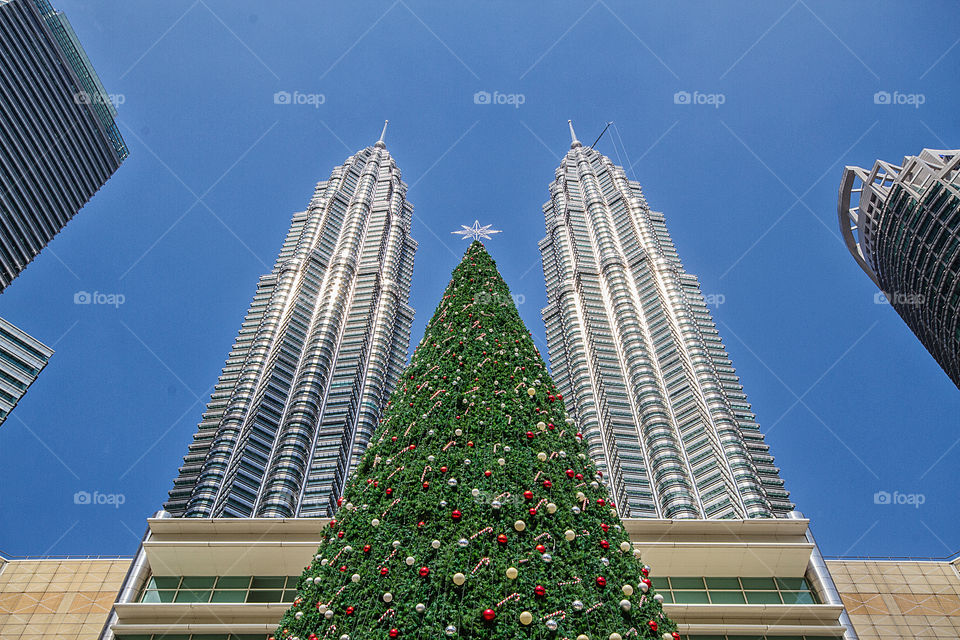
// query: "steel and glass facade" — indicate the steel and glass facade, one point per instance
point(59, 142)
point(637, 357)
point(901, 223)
point(320, 350)
point(22, 358)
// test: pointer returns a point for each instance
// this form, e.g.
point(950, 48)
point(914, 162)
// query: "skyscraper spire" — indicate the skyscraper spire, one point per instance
point(320, 350)
point(574, 143)
point(380, 143)
point(638, 359)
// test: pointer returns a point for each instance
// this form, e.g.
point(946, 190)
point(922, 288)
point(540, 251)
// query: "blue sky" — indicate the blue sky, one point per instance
point(851, 402)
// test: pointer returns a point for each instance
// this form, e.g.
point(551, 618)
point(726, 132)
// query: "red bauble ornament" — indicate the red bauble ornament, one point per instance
point(443, 469)
point(604, 526)
point(604, 544)
point(366, 548)
point(676, 636)
point(339, 534)
point(456, 515)
point(645, 571)
point(470, 443)
point(547, 484)
point(424, 572)
point(579, 476)
point(343, 568)
point(529, 435)
point(570, 473)
point(333, 523)
point(652, 624)
point(533, 511)
point(502, 538)
point(389, 491)
point(348, 611)
point(488, 473)
point(601, 581)
point(601, 501)
point(394, 633)
point(528, 494)
point(426, 485)
point(394, 438)
point(339, 501)
point(489, 615)
point(384, 571)
point(539, 591)
point(421, 524)
point(541, 548)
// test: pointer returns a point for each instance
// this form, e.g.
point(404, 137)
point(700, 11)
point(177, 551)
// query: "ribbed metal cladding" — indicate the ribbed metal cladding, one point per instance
point(638, 360)
point(902, 226)
point(55, 151)
point(321, 348)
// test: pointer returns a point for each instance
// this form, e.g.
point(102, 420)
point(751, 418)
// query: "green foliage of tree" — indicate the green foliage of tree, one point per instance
point(475, 511)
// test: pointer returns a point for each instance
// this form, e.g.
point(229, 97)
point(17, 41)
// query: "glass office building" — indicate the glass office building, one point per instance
point(22, 358)
point(901, 223)
point(317, 356)
point(59, 142)
point(638, 360)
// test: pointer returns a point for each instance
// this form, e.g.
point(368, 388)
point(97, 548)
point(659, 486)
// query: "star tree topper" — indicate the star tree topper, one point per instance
point(476, 231)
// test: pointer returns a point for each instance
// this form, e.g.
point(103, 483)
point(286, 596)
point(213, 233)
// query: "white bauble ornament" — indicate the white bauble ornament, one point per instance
point(435, 544)
point(431, 432)
point(475, 492)
point(496, 504)
point(667, 636)
point(547, 558)
point(396, 544)
point(458, 432)
point(324, 562)
point(519, 525)
point(542, 456)
point(322, 609)
point(577, 605)
point(576, 511)
point(420, 608)
point(541, 426)
point(375, 522)
point(644, 587)
point(615, 636)
point(526, 618)
point(625, 604)
point(450, 630)
point(658, 598)
point(551, 624)
point(551, 508)
point(317, 580)
point(594, 485)
point(636, 553)
point(562, 453)
point(431, 459)
point(355, 577)
point(501, 462)
point(298, 615)
point(624, 546)
point(531, 392)
point(466, 462)
point(627, 590)
point(569, 535)
point(409, 560)
point(605, 561)
point(328, 614)
point(452, 482)
point(581, 496)
point(463, 542)
point(344, 637)
point(459, 579)
point(317, 557)
point(512, 573)
point(583, 637)
point(508, 448)
point(388, 597)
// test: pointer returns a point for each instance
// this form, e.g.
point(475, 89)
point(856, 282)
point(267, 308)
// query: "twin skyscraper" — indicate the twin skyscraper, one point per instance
point(632, 346)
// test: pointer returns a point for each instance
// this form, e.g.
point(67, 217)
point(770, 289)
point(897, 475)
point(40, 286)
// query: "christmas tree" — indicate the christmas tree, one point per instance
point(475, 512)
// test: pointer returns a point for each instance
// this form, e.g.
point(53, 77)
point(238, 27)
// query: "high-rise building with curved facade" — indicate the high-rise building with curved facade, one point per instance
point(901, 223)
point(317, 356)
point(638, 360)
